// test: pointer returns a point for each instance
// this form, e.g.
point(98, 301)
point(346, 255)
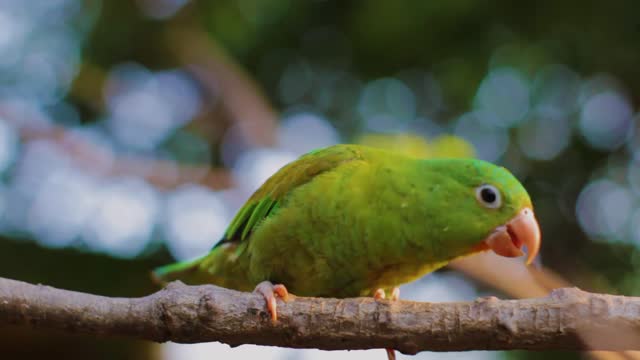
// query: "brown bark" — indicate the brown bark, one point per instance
point(190, 314)
point(514, 278)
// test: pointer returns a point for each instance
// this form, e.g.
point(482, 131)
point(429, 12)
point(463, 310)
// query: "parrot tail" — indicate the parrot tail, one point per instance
point(184, 270)
point(219, 267)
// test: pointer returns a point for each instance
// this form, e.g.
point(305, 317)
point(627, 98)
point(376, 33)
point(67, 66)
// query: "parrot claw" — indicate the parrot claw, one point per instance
point(269, 291)
point(391, 354)
point(380, 294)
point(395, 295)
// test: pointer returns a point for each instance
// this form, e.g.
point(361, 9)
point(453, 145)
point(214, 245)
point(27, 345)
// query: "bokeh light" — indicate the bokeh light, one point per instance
point(151, 104)
point(8, 145)
point(505, 93)
point(124, 218)
point(302, 132)
point(39, 160)
point(606, 120)
point(555, 90)
point(64, 205)
point(40, 43)
point(255, 166)
point(477, 127)
point(633, 176)
point(603, 209)
point(544, 136)
point(386, 104)
point(195, 219)
point(635, 227)
point(427, 90)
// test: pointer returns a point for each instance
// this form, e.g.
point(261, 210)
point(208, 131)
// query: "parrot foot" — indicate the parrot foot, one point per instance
point(395, 295)
point(269, 291)
point(391, 354)
point(381, 295)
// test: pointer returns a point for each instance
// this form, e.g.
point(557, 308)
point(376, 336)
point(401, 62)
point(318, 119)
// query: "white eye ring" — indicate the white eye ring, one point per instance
point(489, 196)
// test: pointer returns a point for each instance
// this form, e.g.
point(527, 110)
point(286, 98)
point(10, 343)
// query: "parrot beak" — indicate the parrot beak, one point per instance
point(507, 240)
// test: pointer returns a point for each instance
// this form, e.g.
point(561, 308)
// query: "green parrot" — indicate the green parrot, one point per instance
point(352, 220)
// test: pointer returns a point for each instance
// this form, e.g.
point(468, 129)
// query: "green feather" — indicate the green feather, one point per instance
point(175, 271)
point(260, 211)
point(239, 221)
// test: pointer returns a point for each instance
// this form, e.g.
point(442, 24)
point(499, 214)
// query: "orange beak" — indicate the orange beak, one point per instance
point(523, 230)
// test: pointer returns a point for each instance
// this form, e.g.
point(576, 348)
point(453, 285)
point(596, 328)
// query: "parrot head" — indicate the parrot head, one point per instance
point(486, 208)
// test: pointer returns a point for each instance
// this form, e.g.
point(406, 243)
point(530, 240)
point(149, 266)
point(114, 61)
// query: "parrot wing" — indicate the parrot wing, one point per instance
point(263, 203)
point(269, 196)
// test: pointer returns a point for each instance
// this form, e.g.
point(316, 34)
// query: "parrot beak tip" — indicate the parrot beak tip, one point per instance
point(522, 230)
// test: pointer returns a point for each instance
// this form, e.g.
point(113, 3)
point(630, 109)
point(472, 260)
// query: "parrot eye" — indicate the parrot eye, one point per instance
point(489, 196)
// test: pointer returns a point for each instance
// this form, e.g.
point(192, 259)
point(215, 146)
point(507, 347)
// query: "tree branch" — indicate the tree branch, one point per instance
point(190, 314)
point(514, 278)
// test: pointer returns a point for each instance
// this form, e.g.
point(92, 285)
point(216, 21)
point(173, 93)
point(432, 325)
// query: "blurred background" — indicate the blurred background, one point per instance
point(131, 132)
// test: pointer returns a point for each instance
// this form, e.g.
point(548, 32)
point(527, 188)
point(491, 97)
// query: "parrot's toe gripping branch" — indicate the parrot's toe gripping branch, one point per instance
point(395, 295)
point(269, 291)
point(380, 294)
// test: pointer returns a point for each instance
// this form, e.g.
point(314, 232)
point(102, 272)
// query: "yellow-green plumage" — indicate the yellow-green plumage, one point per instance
point(348, 219)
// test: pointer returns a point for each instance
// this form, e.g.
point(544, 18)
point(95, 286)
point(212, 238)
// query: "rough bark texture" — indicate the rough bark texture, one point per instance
point(190, 314)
